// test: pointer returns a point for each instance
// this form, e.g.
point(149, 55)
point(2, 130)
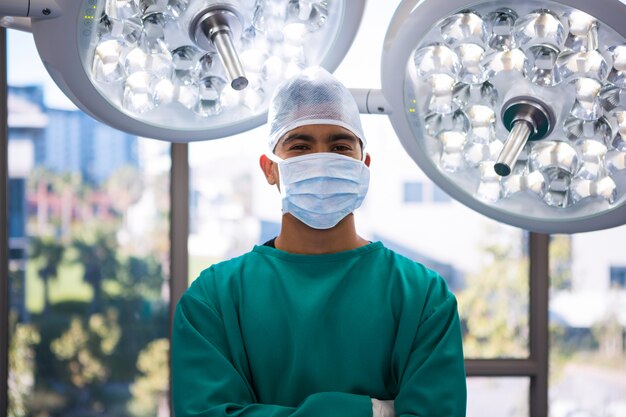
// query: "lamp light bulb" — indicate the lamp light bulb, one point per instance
point(561, 70)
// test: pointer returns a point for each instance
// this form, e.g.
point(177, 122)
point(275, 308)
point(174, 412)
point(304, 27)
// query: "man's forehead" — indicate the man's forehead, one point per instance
point(322, 131)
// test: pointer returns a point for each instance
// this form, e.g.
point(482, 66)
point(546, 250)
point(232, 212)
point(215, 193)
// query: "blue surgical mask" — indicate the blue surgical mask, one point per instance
point(320, 189)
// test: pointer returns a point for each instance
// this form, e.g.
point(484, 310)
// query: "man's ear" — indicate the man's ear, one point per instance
point(267, 168)
point(367, 160)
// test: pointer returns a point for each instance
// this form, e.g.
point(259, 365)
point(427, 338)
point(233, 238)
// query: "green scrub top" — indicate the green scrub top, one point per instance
point(277, 334)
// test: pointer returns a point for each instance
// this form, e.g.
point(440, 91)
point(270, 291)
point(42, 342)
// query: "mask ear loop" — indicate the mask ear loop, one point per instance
point(363, 153)
point(273, 157)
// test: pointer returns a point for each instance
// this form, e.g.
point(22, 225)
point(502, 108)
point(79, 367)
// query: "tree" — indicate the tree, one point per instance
point(21, 366)
point(150, 389)
point(84, 347)
point(141, 278)
point(48, 254)
point(560, 262)
point(96, 251)
point(39, 183)
point(67, 185)
point(124, 188)
point(494, 305)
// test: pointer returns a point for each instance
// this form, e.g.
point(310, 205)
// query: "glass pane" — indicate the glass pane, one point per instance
point(588, 324)
point(413, 192)
point(498, 397)
point(89, 257)
point(232, 208)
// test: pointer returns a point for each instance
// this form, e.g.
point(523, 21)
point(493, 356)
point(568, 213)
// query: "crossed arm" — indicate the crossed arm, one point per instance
point(208, 383)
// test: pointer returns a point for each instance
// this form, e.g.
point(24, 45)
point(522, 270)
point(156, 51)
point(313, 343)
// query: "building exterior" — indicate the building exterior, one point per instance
point(68, 140)
point(59, 141)
point(27, 123)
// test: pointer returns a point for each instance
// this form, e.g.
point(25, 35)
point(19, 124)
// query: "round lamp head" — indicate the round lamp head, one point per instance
point(516, 109)
point(188, 70)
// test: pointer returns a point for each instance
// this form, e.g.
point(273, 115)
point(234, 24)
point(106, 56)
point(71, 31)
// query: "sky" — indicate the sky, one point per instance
point(21, 49)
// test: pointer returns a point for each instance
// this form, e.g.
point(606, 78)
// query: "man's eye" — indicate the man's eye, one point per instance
point(341, 148)
point(298, 147)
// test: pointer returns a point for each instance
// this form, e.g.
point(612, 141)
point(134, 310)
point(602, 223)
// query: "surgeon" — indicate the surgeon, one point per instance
point(318, 322)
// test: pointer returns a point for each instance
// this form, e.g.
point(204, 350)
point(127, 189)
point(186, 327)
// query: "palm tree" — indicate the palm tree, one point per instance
point(67, 186)
point(39, 182)
point(48, 253)
point(124, 188)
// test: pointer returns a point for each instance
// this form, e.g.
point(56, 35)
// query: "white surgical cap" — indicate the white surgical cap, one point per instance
point(312, 97)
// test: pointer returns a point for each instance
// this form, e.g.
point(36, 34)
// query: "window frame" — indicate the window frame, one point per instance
point(536, 365)
point(4, 229)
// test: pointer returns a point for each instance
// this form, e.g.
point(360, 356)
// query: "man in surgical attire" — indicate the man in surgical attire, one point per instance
point(318, 322)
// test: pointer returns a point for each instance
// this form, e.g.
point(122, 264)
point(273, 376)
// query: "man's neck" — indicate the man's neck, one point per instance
point(297, 237)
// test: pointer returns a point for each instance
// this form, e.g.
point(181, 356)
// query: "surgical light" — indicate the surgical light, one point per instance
point(516, 109)
point(182, 70)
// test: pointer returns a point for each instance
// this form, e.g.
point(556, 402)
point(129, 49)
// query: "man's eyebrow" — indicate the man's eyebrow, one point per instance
point(297, 136)
point(343, 136)
point(309, 138)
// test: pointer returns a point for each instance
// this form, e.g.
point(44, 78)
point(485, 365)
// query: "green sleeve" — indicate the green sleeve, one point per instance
point(207, 383)
point(433, 382)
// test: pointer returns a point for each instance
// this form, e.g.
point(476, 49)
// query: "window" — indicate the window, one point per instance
point(422, 192)
point(588, 324)
point(58, 298)
point(89, 252)
point(413, 192)
point(484, 397)
point(618, 276)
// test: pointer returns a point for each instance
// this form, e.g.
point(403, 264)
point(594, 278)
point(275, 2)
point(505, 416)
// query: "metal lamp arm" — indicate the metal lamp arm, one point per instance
point(36, 9)
point(17, 23)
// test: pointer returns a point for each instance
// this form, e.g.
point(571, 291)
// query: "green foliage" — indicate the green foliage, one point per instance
point(494, 305)
point(84, 347)
point(48, 254)
point(124, 187)
point(610, 336)
point(67, 287)
point(96, 251)
point(141, 278)
point(21, 367)
point(103, 300)
point(560, 262)
point(67, 185)
point(151, 387)
point(138, 323)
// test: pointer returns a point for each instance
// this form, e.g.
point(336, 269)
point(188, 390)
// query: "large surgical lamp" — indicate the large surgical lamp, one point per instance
point(182, 70)
point(517, 109)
